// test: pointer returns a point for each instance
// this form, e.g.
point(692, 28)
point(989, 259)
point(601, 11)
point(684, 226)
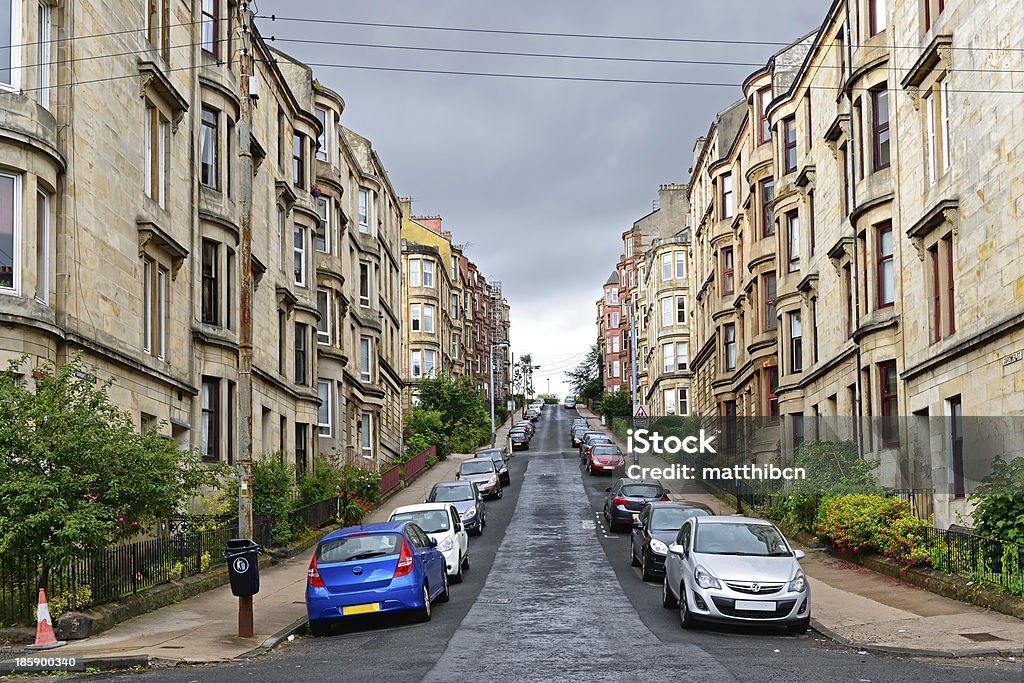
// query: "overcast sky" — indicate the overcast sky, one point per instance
point(539, 178)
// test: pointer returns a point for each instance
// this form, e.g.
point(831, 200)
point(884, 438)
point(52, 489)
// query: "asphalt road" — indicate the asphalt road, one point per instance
point(551, 596)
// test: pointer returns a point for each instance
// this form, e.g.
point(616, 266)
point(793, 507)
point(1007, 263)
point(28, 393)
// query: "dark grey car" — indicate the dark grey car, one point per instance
point(499, 457)
point(626, 498)
point(655, 530)
point(466, 498)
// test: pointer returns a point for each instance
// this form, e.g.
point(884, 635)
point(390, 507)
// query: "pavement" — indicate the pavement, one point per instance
point(203, 629)
point(860, 608)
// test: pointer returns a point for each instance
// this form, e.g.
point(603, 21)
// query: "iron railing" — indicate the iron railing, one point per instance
point(978, 558)
point(416, 463)
point(315, 515)
point(390, 478)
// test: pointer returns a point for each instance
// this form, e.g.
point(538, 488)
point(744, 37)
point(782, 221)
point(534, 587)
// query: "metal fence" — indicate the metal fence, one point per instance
point(390, 478)
point(920, 501)
point(416, 463)
point(981, 559)
point(315, 515)
point(116, 572)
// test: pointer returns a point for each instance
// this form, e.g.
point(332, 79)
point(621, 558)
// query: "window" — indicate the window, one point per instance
point(614, 319)
point(364, 210)
point(301, 447)
point(364, 284)
point(364, 359)
point(936, 106)
point(42, 247)
point(814, 330)
point(789, 148)
point(667, 317)
point(845, 173)
point(416, 317)
point(156, 133)
point(455, 306)
point(771, 388)
point(680, 310)
point(796, 343)
point(428, 273)
point(429, 362)
point(299, 252)
point(810, 223)
point(154, 306)
point(209, 435)
point(793, 241)
point(615, 368)
point(884, 273)
point(682, 355)
point(428, 318)
point(210, 295)
point(44, 53)
point(932, 10)
point(888, 403)
point(848, 290)
point(666, 267)
point(209, 140)
point(416, 365)
point(955, 415)
point(300, 354)
point(208, 27)
point(728, 271)
point(729, 345)
point(629, 247)
point(10, 37)
point(764, 97)
point(942, 288)
point(366, 435)
point(158, 20)
point(727, 198)
point(615, 344)
point(282, 341)
point(680, 265)
point(876, 17)
point(322, 234)
point(298, 160)
point(415, 267)
point(323, 326)
point(321, 142)
point(880, 127)
point(324, 413)
point(767, 219)
point(683, 404)
point(768, 286)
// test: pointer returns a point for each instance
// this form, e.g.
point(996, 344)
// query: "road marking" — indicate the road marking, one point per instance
point(587, 524)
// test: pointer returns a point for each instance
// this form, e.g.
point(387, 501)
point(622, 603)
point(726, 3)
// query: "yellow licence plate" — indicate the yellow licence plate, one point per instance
point(636, 515)
point(361, 609)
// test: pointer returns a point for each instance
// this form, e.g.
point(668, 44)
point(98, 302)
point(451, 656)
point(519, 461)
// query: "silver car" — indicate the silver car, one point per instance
point(738, 570)
point(481, 471)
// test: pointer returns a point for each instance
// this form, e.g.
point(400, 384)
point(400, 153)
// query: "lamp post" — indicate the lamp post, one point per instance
point(494, 434)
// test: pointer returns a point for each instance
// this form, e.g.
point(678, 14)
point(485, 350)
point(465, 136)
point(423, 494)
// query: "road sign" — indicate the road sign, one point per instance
point(640, 417)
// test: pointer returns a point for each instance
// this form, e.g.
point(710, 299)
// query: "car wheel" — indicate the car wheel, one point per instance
point(668, 601)
point(445, 592)
point(800, 626)
point(632, 554)
point(590, 470)
point(423, 613)
point(645, 572)
point(686, 619)
point(458, 574)
point(319, 628)
point(465, 563)
point(501, 492)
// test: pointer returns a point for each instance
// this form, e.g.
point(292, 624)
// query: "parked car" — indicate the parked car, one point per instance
point(537, 404)
point(590, 440)
point(736, 569)
point(655, 530)
point(580, 435)
point(626, 498)
point(569, 402)
point(481, 471)
point(604, 458)
point(578, 421)
point(441, 522)
point(532, 414)
point(500, 459)
point(370, 568)
point(466, 498)
point(527, 425)
point(519, 438)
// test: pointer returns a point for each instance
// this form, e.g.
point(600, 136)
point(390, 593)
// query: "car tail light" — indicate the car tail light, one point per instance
point(313, 575)
point(665, 497)
point(404, 565)
point(620, 501)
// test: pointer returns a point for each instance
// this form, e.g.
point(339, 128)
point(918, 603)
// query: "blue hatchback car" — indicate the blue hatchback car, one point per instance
point(380, 567)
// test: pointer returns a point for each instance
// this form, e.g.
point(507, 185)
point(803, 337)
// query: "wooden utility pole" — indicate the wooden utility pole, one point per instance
point(246, 65)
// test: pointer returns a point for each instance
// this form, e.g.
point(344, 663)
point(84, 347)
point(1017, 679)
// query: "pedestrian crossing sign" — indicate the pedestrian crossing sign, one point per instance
point(640, 417)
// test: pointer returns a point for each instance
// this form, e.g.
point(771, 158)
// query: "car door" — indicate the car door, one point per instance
point(674, 563)
point(461, 537)
point(638, 533)
point(425, 551)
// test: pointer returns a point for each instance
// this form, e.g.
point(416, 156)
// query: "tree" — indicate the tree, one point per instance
point(76, 475)
point(617, 404)
point(425, 428)
point(587, 379)
point(466, 423)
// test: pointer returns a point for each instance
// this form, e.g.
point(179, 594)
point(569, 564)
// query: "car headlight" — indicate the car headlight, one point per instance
point(659, 547)
point(469, 513)
point(704, 578)
point(445, 545)
point(798, 585)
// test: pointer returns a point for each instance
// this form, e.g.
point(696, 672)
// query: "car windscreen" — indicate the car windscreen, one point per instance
point(739, 538)
point(598, 438)
point(431, 521)
point(476, 467)
point(363, 547)
point(607, 450)
point(517, 433)
point(672, 519)
point(452, 494)
point(492, 454)
point(642, 491)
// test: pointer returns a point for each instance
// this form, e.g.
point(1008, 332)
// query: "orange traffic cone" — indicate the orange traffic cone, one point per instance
point(45, 638)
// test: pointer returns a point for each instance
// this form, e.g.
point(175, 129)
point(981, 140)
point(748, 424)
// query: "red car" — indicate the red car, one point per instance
point(604, 458)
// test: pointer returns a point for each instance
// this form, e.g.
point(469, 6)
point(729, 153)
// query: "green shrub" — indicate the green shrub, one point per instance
point(320, 483)
point(834, 467)
point(69, 601)
point(798, 511)
point(859, 522)
point(999, 501)
point(358, 482)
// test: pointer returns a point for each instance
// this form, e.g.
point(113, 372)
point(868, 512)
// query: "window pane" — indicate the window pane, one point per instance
point(42, 247)
point(6, 39)
point(680, 264)
point(208, 151)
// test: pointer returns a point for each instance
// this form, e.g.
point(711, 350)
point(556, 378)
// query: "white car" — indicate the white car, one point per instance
point(442, 523)
point(570, 402)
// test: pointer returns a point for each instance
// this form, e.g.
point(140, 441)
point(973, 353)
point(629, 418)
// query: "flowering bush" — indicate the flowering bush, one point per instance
point(872, 523)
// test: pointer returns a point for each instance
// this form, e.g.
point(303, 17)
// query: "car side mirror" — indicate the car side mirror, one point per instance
point(637, 524)
point(608, 490)
point(677, 549)
point(458, 528)
point(799, 554)
point(433, 543)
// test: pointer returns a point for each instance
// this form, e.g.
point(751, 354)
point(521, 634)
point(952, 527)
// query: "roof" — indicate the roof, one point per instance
point(734, 519)
point(613, 279)
point(451, 482)
point(372, 528)
point(421, 507)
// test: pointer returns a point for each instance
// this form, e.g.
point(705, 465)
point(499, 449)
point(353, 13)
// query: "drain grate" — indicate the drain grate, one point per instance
point(981, 637)
point(495, 601)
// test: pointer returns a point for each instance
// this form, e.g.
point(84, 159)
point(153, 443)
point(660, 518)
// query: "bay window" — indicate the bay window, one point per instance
point(880, 127)
point(884, 268)
point(729, 345)
point(324, 419)
point(299, 252)
point(728, 271)
point(10, 232)
point(323, 326)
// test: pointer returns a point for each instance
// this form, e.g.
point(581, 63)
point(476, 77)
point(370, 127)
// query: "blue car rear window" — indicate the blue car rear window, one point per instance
point(364, 547)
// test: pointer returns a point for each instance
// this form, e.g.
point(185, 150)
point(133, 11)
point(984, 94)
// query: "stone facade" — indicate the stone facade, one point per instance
point(124, 234)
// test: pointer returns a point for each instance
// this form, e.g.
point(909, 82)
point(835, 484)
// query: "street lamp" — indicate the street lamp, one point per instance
point(494, 434)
